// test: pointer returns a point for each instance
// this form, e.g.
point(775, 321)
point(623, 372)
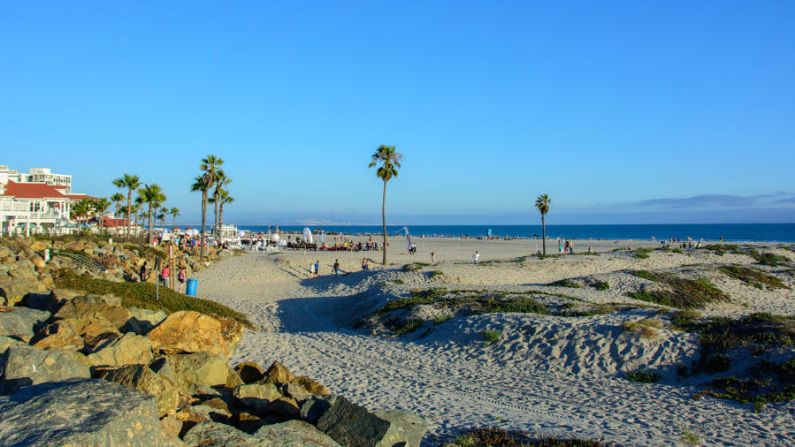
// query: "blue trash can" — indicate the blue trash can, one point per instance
point(191, 287)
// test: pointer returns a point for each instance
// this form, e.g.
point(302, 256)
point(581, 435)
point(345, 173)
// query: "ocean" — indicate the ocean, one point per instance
point(708, 232)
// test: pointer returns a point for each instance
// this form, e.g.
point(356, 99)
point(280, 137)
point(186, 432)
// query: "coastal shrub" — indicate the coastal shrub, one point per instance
point(680, 292)
point(474, 301)
point(439, 319)
point(143, 295)
point(565, 283)
point(645, 274)
point(427, 296)
point(769, 259)
point(643, 376)
point(752, 277)
point(490, 336)
point(497, 437)
point(690, 438)
point(646, 328)
point(717, 363)
point(600, 285)
point(641, 253)
point(756, 391)
point(435, 274)
point(414, 266)
point(408, 326)
point(522, 304)
point(722, 249)
point(398, 281)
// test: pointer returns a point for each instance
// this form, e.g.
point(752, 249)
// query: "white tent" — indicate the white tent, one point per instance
point(308, 238)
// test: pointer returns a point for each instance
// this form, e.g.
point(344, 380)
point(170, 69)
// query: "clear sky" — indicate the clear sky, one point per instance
point(636, 111)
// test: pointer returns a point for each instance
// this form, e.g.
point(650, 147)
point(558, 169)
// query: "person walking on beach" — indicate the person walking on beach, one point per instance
point(311, 270)
point(433, 258)
point(476, 258)
point(181, 276)
point(317, 267)
point(365, 265)
point(142, 272)
point(337, 267)
point(164, 275)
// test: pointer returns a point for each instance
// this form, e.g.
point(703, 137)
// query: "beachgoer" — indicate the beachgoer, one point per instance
point(336, 266)
point(181, 277)
point(365, 265)
point(317, 267)
point(142, 272)
point(164, 275)
point(433, 258)
point(476, 258)
point(311, 269)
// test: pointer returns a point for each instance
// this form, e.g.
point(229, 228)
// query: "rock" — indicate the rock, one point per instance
point(81, 413)
point(315, 407)
point(250, 423)
point(312, 385)
point(42, 301)
point(295, 434)
point(199, 369)
point(18, 286)
point(171, 426)
point(279, 374)
point(283, 408)
point(353, 426)
point(62, 334)
point(296, 392)
point(189, 332)
point(38, 262)
point(19, 322)
point(214, 434)
point(143, 379)
point(38, 246)
point(6, 342)
point(143, 320)
point(88, 307)
point(249, 372)
point(222, 415)
point(23, 366)
point(130, 349)
point(257, 396)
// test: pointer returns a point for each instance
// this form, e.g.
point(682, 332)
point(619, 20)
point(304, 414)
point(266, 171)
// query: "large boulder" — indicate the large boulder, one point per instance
point(143, 320)
point(214, 434)
point(279, 374)
point(81, 413)
point(199, 369)
point(23, 366)
point(249, 372)
point(313, 408)
point(6, 342)
point(312, 385)
point(90, 306)
point(353, 426)
point(43, 301)
point(257, 396)
point(62, 334)
point(143, 379)
point(18, 284)
point(130, 349)
point(294, 433)
point(188, 331)
point(20, 322)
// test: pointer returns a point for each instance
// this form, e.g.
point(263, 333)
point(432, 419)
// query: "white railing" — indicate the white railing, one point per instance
point(45, 215)
point(14, 206)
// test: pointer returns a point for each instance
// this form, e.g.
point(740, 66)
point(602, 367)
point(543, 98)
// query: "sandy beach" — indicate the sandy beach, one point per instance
point(556, 375)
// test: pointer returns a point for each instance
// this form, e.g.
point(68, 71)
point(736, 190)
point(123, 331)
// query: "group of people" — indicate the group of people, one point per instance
point(314, 267)
point(164, 275)
point(565, 246)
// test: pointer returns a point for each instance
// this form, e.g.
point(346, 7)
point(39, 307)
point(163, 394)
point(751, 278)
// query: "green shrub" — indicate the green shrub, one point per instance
point(646, 328)
point(601, 285)
point(753, 277)
point(490, 336)
point(565, 283)
point(680, 292)
point(769, 259)
point(143, 295)
point(643, 376)
point(497, 437)
point(645, 274)
point(408, 326)
point(641, 253)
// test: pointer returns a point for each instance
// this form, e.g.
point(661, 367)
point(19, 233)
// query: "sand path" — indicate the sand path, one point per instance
point(305, 324)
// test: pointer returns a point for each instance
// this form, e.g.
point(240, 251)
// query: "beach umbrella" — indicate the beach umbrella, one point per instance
point(308, 236)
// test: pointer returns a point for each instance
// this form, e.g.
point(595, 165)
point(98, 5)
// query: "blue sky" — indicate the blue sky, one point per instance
point(607, 106)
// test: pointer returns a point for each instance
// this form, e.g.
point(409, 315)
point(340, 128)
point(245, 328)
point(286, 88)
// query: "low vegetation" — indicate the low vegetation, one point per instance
point(646, 328)
point(643, 376)
point(408, 326)
point(143, 295)
point(497, 437)
point(566, 283)
point(475, 302)
point(414, 266)
point(769, 259)
point(678, 292)
point(600, 285)
point(490, 336)
point(722, 249)
point(752, 277)
point(641, 253)
point(435, 274)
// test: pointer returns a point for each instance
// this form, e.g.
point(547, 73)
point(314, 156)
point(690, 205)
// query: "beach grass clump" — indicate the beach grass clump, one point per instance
point(752, 277)
point(474, 301)
point(520, 304)
point(414, 266)
point(566, 282)
point(497, 437)
point(758, 391)
point(435, 274)
point(690, 438)
point(600, 285)
point(769, 259)
point(678, 292)
point(408, 326)
point(722, 249)
point(643, 376)
point(646, 327)
point(490, 336)
point(417, 297)
point(143, 295)
point(641, 253)
point(439, 319)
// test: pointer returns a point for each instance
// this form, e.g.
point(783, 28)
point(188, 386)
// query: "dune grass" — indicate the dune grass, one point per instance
point(565, 283)
point(476, 301)
point(641, 253)
point(414, 266)
point(678, 292)
point(490, 336)
point(600, 285)
point(753, 277)
point(769, 259)
point(646, 328)
point(643, 376)
point(143, 295)
point(497, 437)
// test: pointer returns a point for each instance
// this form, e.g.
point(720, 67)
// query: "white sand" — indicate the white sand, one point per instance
point(555, 375)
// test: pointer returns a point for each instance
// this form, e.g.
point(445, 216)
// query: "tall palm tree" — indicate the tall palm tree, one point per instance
point(100, 206)
point(222, 200)
point(161, 216)
point(209, 167)
point(117, 199)
point(174, 213)
point(152, 195)
point(130, 183)
point(543, 203)
point(389, 160)
point(221, 180)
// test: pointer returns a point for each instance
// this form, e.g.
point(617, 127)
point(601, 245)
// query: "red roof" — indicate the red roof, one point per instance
point(37, 191)
point(110, 222)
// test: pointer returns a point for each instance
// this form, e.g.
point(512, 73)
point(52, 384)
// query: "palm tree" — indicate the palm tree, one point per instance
point(152, 195)
point(222, 200)
point(542, 204)
point(117, 199)
point(389, 160)
point(100, 206)
point(174, 213)
point(221, 180)
point(131, 183)
point(210, 167)
point(161, 216)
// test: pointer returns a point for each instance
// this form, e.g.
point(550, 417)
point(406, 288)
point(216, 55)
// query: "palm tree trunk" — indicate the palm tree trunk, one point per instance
point(221, 216)
point(217, 229)
point(204, 222)
point(151, 223)
point(543, 235)
point(129, 209)
point(383, 218)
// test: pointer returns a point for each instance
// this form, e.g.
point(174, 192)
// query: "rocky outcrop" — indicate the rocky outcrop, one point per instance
point(143, 379)
point(295, 433)
point(20, 322)
point(214, 434)
point(249, 372)
point(143, 320)
point(353, 426)
point(24, 366)
point(81, 413)
point(191, 332)
point(199, 369)
point(129, 349)
point(92, 306)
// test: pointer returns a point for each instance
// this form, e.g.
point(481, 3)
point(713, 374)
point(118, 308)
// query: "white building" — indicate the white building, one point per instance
point(35, 202)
